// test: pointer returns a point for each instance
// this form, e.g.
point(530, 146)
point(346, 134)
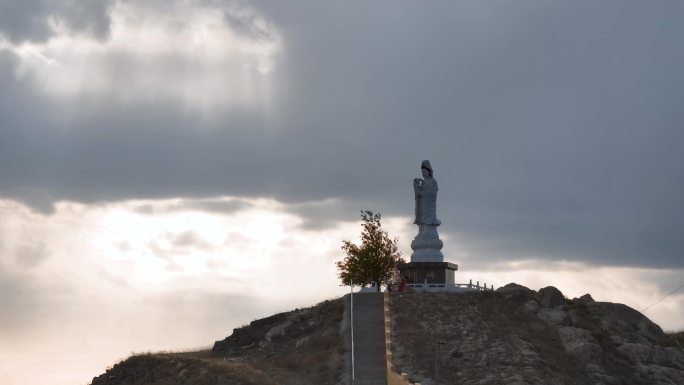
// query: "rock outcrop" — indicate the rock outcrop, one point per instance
point(518, 336)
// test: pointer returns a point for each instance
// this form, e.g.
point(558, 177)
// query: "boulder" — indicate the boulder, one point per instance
point(554, 316)
point(579, 343)
point(637, 353)
point(513, 290)
point(586, 299)
point(511, 287)
point(550, 297)
point(532, 306)
point(668, 356)
point(574, 317)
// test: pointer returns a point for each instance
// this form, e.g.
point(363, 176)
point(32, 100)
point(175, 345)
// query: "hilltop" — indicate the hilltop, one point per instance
point(510, 336)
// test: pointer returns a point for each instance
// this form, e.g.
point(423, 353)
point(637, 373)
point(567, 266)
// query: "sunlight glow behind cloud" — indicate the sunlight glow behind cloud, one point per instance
point(209, 272)
point(204, 56)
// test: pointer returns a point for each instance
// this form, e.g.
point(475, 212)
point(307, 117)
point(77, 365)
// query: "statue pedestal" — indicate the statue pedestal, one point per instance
point(430, 273)
point(427, 246)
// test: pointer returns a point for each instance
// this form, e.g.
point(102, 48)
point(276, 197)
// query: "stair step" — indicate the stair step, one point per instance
point(369, 339)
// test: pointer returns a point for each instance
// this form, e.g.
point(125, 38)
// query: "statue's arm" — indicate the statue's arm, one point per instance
point(417, 184)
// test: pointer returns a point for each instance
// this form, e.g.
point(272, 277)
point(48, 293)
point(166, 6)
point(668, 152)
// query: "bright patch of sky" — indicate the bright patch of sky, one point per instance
point(111, 278)
point(202, 55)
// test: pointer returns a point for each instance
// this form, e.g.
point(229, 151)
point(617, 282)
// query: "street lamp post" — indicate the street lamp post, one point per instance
point(351, 322)
point(439, 343)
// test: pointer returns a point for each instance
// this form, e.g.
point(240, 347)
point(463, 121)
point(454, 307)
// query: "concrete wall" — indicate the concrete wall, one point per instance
point(393, 378)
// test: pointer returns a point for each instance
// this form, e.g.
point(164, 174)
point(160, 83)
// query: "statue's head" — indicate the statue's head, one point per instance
point(426, 169)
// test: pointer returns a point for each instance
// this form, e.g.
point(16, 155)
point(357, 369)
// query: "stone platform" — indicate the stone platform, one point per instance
point(441, 273)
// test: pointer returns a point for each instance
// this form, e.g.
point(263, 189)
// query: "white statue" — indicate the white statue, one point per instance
point(427, 245)
point(426, 197)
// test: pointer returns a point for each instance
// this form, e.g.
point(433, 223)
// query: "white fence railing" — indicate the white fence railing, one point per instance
point(456, 287)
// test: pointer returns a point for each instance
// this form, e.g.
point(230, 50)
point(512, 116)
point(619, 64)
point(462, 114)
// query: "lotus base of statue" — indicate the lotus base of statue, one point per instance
point(427, 248)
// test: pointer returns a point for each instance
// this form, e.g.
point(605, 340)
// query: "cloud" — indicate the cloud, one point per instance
point(548, 141)
point(38, 20)
point(184, 244)
point(325, 214)
point(185, 54)
point(32, 254)
point(189, 239)
point(17, 294)
point(219, 205)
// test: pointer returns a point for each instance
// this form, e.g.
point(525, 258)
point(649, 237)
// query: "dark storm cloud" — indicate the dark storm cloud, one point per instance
point(554, 128)
point(34, 20)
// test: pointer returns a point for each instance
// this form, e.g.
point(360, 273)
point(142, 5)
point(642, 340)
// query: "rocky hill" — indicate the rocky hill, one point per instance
point(518, 336)
point(510, 336)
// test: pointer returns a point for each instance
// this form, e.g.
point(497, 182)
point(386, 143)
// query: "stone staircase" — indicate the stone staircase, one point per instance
point(369, 339)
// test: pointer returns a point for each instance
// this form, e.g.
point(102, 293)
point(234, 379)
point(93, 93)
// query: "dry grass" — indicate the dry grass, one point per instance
point(181, 369)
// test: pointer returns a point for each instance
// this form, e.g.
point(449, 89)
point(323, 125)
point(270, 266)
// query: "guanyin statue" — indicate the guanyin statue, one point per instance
point(427, 245)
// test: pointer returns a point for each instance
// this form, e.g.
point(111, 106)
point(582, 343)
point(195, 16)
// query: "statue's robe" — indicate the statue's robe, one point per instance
point(426, 203)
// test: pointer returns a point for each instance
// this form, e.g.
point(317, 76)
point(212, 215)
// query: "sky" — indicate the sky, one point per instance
point(173, 169)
